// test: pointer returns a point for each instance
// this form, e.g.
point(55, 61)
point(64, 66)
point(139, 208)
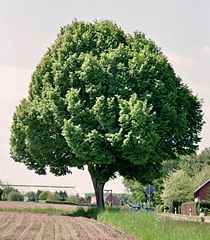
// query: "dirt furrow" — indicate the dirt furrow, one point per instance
point(96, 231)
point(7, 219)
point(62, 229)
point(101, 231)
point(33, 229)
point(16, 227)
point(82, 233)
point(3, 218)
point(24, 226)
point(111, 233)
point(47, 229)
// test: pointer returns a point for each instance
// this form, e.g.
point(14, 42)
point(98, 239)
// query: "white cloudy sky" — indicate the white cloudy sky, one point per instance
point(180, 28)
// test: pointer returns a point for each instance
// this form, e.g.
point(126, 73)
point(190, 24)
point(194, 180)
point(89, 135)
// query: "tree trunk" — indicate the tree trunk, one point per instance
point(99, 191)
point(98, 185)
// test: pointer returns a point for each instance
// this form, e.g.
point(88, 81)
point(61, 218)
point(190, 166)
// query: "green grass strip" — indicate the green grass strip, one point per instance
point(147, 226)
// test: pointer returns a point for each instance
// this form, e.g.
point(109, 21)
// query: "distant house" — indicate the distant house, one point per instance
point(203, 192)
point(81, 200)
point(93, 200)
point(112, 200)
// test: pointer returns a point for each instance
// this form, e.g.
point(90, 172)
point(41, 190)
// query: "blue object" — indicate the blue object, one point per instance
point(149, 209)
point(135, 207)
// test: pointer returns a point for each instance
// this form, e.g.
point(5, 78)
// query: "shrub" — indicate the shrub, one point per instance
point(74, 199)
point(44, 195)
point(6, 191)
point(205, 205)
point(31, 196)
point(15, 196)
point(53, 197)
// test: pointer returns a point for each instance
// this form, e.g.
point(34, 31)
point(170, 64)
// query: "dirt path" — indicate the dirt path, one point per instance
point(24, 226)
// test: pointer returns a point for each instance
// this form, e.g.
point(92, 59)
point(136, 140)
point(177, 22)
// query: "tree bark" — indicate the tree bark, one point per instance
point(99, 191)
point(98, 185)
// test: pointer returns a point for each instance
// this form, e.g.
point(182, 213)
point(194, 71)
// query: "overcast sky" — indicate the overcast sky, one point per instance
point(179, 27)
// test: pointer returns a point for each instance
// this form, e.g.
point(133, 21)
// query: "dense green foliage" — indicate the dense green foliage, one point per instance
point(136, 189)
point(54, 197)
point(15, 196)
point(106, 99)
point(74, 199)
point(177, 186)
point(9, 192)
point(189, 174)
point(32, 196)
point(180, 178)
point(193, 164)
point(43, 196)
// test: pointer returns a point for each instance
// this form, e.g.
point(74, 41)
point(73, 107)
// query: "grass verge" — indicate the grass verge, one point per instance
point(147, 226)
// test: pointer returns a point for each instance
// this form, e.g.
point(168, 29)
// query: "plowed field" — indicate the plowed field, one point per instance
point(22, 205)
point(33, 226)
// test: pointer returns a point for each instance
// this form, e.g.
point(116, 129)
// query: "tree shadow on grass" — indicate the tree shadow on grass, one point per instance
point(91, 212)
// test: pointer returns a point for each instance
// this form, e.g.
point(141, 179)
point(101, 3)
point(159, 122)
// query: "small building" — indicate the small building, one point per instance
point(203, 192)
point(93, 199)
point(81, 200)
point(112, 200)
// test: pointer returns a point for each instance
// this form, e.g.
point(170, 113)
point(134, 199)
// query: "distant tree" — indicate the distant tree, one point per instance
point(136, 189)
point(108, 100)
point(6, 191)
point(124, 198)
point(193, 164)
point(88, 197)
point(204, 156)
point(53, 196)
point(201, 177)
point(74, 199)
point(177, 187)
point(32, 197)
point(38, 193)
point(63, 195)
point(169, 165)
point(190, 164)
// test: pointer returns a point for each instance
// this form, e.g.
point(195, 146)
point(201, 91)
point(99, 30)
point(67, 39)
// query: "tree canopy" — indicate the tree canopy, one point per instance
point(106, 99)
point(193, 164)
point(177, 187)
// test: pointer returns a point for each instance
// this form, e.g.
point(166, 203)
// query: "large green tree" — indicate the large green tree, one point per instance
point(193, 164)
point(178, 186)
point(108, 100)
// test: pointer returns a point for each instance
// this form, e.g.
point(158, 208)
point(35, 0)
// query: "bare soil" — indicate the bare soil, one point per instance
point(24, 226)
point(22, 205)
